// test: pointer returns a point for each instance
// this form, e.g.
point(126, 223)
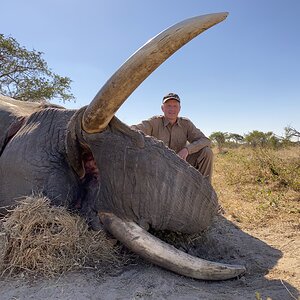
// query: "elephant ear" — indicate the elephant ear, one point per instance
point(13, 114)
point(75, 144)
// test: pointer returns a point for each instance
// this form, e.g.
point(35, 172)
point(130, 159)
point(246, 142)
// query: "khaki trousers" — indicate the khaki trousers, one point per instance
point(202, 161)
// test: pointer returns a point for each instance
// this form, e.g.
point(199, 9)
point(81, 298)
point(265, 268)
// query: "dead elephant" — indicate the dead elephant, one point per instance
point(137, 181)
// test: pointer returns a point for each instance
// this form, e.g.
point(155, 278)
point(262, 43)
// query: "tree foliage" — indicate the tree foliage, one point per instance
point(291, 132)
point(219, 138)
point(258, 138)
point(24, 75)
point(254, 138)
point(235, 138)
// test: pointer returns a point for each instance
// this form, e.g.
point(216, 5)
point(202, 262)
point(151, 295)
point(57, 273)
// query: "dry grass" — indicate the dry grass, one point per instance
point(258, 186)
point(37, 238)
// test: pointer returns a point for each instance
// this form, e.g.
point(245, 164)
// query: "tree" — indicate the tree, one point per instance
point(259, 138)
point(24, 75)
point(219, 138)
point(291, 132)
point(236, 138)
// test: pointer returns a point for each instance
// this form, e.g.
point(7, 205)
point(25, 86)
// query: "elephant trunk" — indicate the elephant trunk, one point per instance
point(143, 180)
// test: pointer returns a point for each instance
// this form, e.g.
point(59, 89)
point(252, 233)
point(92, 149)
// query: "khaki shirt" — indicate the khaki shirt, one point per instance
point(183, 134)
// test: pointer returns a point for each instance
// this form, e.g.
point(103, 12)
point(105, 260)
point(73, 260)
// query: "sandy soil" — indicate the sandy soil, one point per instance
point(271, 256)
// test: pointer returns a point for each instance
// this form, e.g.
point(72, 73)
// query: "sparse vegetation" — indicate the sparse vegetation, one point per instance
point(259, 185)
point(255, 138)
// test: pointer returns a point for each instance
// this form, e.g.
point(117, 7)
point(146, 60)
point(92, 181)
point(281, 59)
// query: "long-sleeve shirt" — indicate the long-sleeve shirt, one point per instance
point(183, 134)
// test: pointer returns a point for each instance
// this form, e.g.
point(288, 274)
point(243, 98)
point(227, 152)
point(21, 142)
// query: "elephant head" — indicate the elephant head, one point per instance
point(90, 160)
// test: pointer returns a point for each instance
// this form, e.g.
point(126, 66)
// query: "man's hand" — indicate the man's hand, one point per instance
point(183, 153)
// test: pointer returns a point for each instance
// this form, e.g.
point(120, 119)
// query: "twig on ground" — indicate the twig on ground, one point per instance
point(288, 290)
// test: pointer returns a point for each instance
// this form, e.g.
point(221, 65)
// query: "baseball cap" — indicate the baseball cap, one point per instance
point(171, 96)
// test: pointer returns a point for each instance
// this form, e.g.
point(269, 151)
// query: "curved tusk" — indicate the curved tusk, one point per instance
point(158, 252)
point(139, 66)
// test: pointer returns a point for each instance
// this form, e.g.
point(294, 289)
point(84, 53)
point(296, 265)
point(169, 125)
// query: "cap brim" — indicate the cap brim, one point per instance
point(171, 98)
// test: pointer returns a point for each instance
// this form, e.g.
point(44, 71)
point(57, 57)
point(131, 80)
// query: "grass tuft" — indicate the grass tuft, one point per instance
point(38, 238)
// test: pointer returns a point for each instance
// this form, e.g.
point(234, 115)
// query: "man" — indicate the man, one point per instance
point(180, 135)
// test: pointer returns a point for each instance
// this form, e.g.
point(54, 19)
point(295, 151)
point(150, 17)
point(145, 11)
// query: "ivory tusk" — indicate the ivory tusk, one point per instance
point(139, 66)
point(158, 252)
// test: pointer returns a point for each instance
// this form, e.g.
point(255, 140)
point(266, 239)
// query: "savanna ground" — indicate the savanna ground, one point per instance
point(49, 254)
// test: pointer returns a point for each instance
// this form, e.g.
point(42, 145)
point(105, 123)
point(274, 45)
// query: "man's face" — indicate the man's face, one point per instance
point(171, 109)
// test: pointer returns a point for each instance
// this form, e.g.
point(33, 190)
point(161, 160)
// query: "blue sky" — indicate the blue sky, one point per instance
point(241, 75)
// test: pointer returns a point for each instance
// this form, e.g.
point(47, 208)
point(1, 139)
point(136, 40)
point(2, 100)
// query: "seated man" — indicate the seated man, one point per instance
point(181, 135)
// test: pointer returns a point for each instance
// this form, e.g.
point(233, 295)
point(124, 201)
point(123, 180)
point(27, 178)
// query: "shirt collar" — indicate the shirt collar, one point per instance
point(166, 122)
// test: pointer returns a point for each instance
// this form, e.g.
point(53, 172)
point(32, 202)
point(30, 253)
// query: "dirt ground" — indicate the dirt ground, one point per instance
point(270, 254)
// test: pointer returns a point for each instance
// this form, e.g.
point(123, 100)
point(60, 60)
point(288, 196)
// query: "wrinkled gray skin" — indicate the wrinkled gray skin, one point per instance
point(34, 159)
point(139, 178)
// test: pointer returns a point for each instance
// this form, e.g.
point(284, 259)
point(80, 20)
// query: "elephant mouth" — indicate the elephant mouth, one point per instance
point(89, 183)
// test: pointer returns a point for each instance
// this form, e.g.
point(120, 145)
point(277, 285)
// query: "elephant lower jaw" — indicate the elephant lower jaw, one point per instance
point(164, 255)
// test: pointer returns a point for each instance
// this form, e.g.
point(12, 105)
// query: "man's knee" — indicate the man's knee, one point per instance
point(205, 162)
point(206, 153)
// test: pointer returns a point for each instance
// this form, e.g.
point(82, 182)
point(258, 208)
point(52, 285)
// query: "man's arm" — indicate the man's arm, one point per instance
point(196, 138)
point(145, 127)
